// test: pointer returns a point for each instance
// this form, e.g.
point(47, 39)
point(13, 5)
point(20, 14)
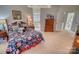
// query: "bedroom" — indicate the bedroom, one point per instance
point(56, 39)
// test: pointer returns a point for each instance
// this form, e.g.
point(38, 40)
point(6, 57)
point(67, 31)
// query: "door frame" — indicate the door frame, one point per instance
point(69, 30)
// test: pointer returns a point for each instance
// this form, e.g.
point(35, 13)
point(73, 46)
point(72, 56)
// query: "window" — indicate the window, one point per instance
point(36, 18)
point(1, 27)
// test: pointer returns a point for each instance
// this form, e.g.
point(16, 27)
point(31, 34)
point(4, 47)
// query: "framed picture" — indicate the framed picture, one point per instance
point(16, 15)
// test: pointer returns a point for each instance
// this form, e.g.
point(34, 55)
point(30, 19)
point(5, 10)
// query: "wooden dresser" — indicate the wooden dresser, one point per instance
point(49, 25)
point(76, 42)
point(75, 47)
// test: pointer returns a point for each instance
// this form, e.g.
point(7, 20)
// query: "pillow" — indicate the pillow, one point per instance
point(15, 28)
point(20, 29)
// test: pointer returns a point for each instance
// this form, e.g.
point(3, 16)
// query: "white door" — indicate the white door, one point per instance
point(70, 18)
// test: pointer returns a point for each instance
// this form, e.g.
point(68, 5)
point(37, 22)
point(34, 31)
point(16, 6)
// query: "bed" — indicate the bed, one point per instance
point(22, 41)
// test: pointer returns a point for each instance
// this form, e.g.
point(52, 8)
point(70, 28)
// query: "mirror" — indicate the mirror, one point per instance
point(3, 25)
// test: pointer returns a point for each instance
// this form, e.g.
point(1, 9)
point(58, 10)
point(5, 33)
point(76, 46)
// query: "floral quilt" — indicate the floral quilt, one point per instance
point(20, 42)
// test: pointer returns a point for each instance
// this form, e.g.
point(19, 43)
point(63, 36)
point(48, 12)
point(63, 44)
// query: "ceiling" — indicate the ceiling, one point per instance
point(39, 6)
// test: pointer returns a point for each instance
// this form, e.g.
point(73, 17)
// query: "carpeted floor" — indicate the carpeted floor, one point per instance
point(55, 43)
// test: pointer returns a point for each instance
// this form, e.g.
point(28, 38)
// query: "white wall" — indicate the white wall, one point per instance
point(45, 11)
point(76, 21)
point(6, 12)
point(60, 13)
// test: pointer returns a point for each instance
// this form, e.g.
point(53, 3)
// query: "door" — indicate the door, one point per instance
point(70, 18)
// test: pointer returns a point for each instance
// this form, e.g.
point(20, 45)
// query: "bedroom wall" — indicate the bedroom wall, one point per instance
point(76, 21)
point(6, 12)
point(60, 13)
point(45, 11)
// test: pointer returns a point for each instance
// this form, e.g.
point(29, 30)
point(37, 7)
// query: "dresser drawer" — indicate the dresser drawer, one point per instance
point(76, 42)
point(49, 24)
point(77, 37)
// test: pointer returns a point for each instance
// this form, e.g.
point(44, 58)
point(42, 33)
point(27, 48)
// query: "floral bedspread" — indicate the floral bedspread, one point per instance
point(21, 42)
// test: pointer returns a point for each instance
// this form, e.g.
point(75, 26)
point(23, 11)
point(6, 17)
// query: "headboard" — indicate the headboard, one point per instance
point(16, 26)
point(19, 23)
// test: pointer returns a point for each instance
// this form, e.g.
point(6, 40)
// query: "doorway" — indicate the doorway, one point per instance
point(70, 18)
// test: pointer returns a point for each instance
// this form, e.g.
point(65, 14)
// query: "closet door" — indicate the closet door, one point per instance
point(70, 18)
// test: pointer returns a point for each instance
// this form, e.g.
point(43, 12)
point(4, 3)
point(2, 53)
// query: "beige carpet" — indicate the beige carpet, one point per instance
point(55, 42)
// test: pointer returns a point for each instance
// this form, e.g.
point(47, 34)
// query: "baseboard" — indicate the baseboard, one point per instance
point(72, 32)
